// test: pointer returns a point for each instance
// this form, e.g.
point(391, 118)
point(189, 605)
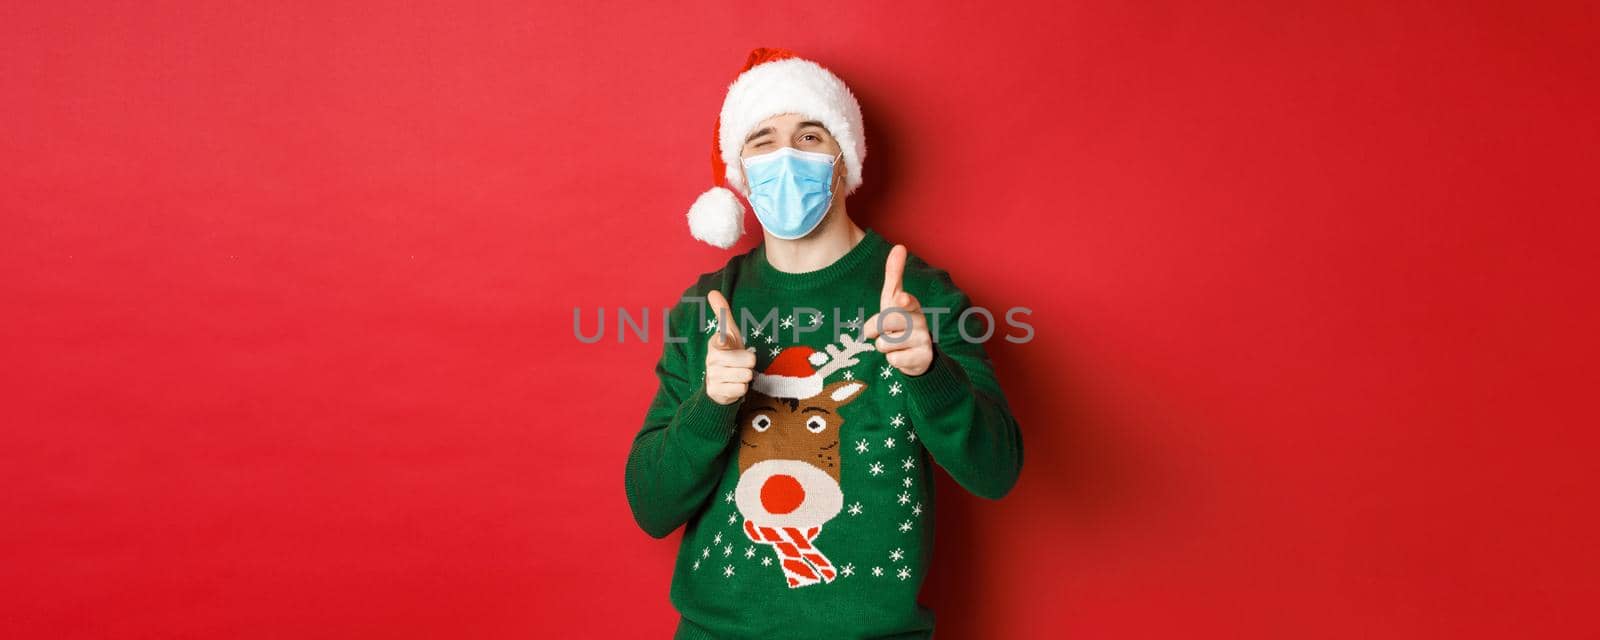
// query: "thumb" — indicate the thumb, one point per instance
point(727, 337)
point(893, 273)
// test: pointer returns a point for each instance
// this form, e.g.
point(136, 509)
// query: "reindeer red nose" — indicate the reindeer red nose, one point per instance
point(781, 494)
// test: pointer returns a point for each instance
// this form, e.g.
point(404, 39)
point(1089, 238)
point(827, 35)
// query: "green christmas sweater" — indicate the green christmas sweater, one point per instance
point(808, 506)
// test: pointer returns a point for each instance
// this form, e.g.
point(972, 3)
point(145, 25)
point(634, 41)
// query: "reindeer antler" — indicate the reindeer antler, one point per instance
point(839, 359)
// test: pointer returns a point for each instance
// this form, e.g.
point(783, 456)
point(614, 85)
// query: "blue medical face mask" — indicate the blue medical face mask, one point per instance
point(790, 190)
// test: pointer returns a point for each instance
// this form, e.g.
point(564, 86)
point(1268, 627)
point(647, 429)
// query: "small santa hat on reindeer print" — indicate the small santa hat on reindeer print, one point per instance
point(791, 374)
point(772, 82)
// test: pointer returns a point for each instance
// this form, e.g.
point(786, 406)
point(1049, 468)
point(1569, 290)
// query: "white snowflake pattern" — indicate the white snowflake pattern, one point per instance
point(696, 565)
point(896, 555)
point(732, 518)
point(774, 352)
point(706, 552)
point(888, 442)
point(861, 446)
point(727, 572)
point(770, 340)
point(711, 325)
point(907, 481)
point(756, 332)
point(894, 388)
point(898, 420)
point(717, 539)
point(903, 573)
point(911, 436)
point(876, 468)
point(908, 463)
point(847, 570)
point(855, 509)
point(788, 321)
point(848, 375)
point(905, 526)
point(905, 496)
point(855, 323)
point(727, 551)
point(727, 497)
point(916, 509)
point(877, 571)
point(885, 371)
point(816, 319)
point(766, 561)
point(749, 552)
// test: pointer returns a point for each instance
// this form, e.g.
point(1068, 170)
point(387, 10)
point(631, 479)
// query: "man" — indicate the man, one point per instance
point(791, 434)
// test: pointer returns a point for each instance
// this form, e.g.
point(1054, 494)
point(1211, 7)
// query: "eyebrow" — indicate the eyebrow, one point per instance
point(816, 409)
point(767, 130)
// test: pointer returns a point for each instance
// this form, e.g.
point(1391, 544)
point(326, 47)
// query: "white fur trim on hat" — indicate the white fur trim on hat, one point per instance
point(787, 386)
point(791, 85)
point(717, 217)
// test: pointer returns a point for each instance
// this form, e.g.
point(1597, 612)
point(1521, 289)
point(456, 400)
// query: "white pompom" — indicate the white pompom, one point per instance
point(717, 218)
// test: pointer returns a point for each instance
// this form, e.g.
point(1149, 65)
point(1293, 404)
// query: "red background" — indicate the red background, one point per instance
point(289, 292)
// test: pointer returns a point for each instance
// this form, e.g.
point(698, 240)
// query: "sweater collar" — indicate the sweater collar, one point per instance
point(871, 244)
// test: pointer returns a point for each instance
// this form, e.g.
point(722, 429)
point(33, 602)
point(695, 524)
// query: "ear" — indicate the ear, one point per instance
point(843, 391)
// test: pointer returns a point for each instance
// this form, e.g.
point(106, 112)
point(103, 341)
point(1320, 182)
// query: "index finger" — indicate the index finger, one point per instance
point(893, 272)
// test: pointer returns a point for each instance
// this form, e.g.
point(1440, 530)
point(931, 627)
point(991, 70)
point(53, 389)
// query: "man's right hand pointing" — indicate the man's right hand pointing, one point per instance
point(729, 366)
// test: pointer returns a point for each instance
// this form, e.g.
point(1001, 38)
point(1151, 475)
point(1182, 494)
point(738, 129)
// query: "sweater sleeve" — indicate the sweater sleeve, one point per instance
point(678, 454)
point(957, 407)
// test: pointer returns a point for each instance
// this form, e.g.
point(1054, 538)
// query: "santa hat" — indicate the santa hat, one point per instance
point(791, 374)
point(772, 82)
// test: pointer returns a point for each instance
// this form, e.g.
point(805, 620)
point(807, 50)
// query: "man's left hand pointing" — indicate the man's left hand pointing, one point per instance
point(903, 335)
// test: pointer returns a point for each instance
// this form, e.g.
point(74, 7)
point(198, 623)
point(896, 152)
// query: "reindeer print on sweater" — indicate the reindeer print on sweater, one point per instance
point(789, 456)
